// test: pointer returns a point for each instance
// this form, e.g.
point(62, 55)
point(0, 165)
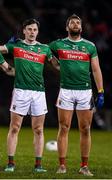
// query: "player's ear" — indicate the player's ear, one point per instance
point(23, 31)
point(67, 28)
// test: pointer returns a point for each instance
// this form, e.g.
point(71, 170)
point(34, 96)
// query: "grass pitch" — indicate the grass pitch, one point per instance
point(100, 161)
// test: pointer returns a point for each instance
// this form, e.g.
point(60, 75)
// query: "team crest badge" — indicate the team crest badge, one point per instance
point(83, 49)
point(75, 47)
point(59, 101)
point(14, 107)
point(39, 50)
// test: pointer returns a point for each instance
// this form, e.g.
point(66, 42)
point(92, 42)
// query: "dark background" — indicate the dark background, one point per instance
point(52, 15)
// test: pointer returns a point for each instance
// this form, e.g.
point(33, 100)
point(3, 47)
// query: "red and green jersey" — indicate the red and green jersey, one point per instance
point(74, 58)
point(29, 62)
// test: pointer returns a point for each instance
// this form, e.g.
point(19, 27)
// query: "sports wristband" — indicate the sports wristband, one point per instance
point(101, 90)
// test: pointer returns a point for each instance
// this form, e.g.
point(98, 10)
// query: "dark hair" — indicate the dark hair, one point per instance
point(30, 21)
point(73, 16)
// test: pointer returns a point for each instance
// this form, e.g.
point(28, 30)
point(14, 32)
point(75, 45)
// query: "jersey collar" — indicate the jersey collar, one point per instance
point(74, 40)
point(36, 42)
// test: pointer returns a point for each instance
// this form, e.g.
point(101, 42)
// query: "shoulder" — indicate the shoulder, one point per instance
point(12, 44)
point(90, 43)
point(42, 45)
point(61, 40)
point(57, 42)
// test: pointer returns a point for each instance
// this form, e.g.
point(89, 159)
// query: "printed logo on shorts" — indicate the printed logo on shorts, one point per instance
point(14, 107)
point(60, 101)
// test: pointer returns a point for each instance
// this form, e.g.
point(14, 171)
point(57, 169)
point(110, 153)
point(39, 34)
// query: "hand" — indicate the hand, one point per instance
point(10, 71)
point(13, 39)
point(100, 100)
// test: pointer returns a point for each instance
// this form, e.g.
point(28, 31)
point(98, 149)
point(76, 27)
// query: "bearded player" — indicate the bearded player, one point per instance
point(75, 55)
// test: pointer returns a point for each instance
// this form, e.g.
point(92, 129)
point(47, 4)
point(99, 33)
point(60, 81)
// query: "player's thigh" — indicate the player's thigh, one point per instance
point(84, 118)
point(65, 117)
point(65, 99)
point(38, 121)
point(84, 99)
point(16, 120)
point(21, 100)
point(38, 104)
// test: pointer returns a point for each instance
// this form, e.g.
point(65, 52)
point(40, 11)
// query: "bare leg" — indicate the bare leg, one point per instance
point(12, 138)
point(37, 126)
point(84, 121)
point(65, 117)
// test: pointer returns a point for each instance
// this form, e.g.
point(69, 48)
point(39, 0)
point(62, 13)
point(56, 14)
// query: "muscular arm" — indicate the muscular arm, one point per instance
point(55, 64)
point(9, 70)
point(3, 49)
point(97, 73)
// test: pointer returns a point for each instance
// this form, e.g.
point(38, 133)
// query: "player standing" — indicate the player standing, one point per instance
point(29, 92)
point(75, 55)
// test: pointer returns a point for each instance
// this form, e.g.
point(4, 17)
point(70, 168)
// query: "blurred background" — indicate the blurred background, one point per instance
point(52, 15)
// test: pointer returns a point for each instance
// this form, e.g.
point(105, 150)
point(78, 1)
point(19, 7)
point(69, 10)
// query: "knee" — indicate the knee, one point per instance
point(64, 129)
point(14, 129)
point(85, 130)
point(38, 131)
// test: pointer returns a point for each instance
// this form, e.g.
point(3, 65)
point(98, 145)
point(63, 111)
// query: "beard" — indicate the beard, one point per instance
point(74, 33)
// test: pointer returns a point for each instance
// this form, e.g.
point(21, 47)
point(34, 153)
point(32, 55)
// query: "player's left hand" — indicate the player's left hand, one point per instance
point(100, 100)
point(13, 39)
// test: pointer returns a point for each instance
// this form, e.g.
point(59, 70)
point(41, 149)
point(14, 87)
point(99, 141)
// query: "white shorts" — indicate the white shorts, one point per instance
point(28, 102)
point(75, 99)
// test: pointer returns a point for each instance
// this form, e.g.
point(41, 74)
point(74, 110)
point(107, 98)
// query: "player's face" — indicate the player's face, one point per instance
point(30, 32)
point(74, 27)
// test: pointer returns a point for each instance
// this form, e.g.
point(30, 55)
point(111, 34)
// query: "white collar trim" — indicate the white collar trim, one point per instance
point(74, 40)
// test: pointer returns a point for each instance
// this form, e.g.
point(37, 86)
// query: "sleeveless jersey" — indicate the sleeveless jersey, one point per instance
point(74, 58)
point(29, 62)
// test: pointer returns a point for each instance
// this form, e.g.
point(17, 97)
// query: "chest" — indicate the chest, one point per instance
point(34, 54)
point(70, 51)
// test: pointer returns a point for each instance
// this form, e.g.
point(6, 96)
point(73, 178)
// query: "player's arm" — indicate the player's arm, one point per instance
point(3, 49)
point(55, 63)
point(99, 82)
point(9, 70)
point(53, 60)
point(97, 73)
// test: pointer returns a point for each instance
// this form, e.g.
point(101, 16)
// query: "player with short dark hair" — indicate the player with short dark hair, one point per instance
point(30, 21)
point(29, 92)
point(75, 55)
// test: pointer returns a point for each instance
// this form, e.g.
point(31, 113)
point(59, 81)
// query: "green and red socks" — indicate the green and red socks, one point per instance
point(84, 161)
point(11, 160)
point(38, 162)
point(62, 161)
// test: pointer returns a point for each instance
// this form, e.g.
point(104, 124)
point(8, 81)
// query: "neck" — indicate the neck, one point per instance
point(75, 37)
point(29, 42)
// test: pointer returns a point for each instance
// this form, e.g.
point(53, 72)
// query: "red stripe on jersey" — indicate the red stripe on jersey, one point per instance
point(73, 55)
point(31, 56)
